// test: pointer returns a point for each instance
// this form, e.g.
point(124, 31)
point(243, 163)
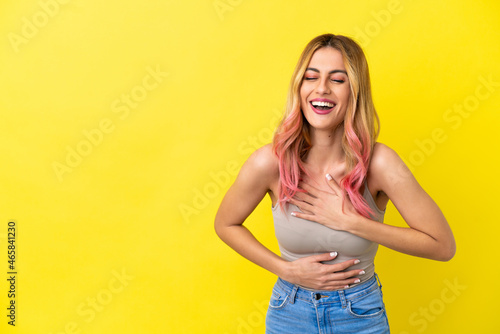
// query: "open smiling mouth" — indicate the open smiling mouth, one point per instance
point(322, 107)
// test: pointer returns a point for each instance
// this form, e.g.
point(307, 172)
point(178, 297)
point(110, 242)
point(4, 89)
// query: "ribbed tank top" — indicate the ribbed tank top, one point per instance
point(299, 238)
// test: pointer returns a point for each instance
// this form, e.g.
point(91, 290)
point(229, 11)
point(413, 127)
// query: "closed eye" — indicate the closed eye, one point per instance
point(312, 78)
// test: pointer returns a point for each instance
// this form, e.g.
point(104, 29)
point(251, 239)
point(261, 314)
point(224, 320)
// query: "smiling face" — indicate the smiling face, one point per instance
point(324, 93)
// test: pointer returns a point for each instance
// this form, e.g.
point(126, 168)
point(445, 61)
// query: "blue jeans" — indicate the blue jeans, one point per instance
point(359, 309)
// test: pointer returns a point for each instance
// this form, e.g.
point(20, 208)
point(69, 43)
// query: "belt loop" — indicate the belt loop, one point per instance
point(378, 280)
point(293, 293)
point(342, 298)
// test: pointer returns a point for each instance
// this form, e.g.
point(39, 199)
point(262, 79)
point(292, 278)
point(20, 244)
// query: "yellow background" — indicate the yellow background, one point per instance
point(140, 202)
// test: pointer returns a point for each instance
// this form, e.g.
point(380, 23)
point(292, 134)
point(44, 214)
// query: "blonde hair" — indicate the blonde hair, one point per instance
point(291, 140)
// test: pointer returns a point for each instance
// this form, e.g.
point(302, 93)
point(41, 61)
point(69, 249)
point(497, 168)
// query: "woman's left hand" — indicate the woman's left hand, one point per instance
point(324, 207)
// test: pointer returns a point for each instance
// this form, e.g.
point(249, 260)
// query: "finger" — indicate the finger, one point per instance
point(299, 214)
point(303, 211)
point(333, 282)
point(343, 275)
point(324, 257)
point(302, 205)
point(347, 278)
point(311, 190)
point(343, 265)
point(355, 273)
point(333, 184)
point(346, 275)
point(303, 197)
point(342, 284)
point(305, 216)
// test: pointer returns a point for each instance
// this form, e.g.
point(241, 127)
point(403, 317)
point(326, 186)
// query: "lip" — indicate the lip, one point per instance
point(322, 112)
point(323, 100)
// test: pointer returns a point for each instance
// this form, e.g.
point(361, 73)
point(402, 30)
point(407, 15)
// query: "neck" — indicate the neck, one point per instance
point(326, 153)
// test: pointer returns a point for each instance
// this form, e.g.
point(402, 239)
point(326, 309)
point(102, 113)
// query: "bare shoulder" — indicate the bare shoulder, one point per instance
point(255, 179)
point(262, 165)
point(386, 167)
point(263, 159)
point(383, 156)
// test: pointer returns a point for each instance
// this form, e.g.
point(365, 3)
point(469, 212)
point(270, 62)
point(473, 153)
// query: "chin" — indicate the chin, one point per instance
point(330, 124)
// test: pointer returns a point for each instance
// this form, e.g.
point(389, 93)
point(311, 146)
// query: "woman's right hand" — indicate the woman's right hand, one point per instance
point(311, 273)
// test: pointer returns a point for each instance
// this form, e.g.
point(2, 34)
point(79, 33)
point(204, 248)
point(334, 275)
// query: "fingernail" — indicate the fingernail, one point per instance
point(293, 214)
point(329, 177)
point(346, 287)
point(357, 280)
point(356, 261)
point(332, 254)
point(362, 272)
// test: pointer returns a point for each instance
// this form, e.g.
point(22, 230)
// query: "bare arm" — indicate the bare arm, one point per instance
point(428, 233)
point(241, 199)
point(249, 188)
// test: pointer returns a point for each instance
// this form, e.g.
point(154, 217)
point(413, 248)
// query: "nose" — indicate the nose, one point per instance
point(323, 87)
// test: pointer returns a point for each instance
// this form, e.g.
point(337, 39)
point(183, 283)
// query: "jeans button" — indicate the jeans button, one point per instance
point(317, 296)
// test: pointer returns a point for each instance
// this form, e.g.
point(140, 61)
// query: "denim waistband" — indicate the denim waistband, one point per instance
point(326, 296)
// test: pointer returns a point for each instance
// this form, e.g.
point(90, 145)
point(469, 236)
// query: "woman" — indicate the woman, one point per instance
point(329, 182)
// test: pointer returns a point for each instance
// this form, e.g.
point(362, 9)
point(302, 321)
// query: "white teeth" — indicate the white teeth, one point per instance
point(322, 104)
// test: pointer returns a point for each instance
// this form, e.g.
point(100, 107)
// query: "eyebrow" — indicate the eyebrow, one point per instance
point(331, 72)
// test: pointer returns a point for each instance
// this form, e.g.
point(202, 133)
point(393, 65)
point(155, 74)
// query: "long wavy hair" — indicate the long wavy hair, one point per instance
point(291, 141)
